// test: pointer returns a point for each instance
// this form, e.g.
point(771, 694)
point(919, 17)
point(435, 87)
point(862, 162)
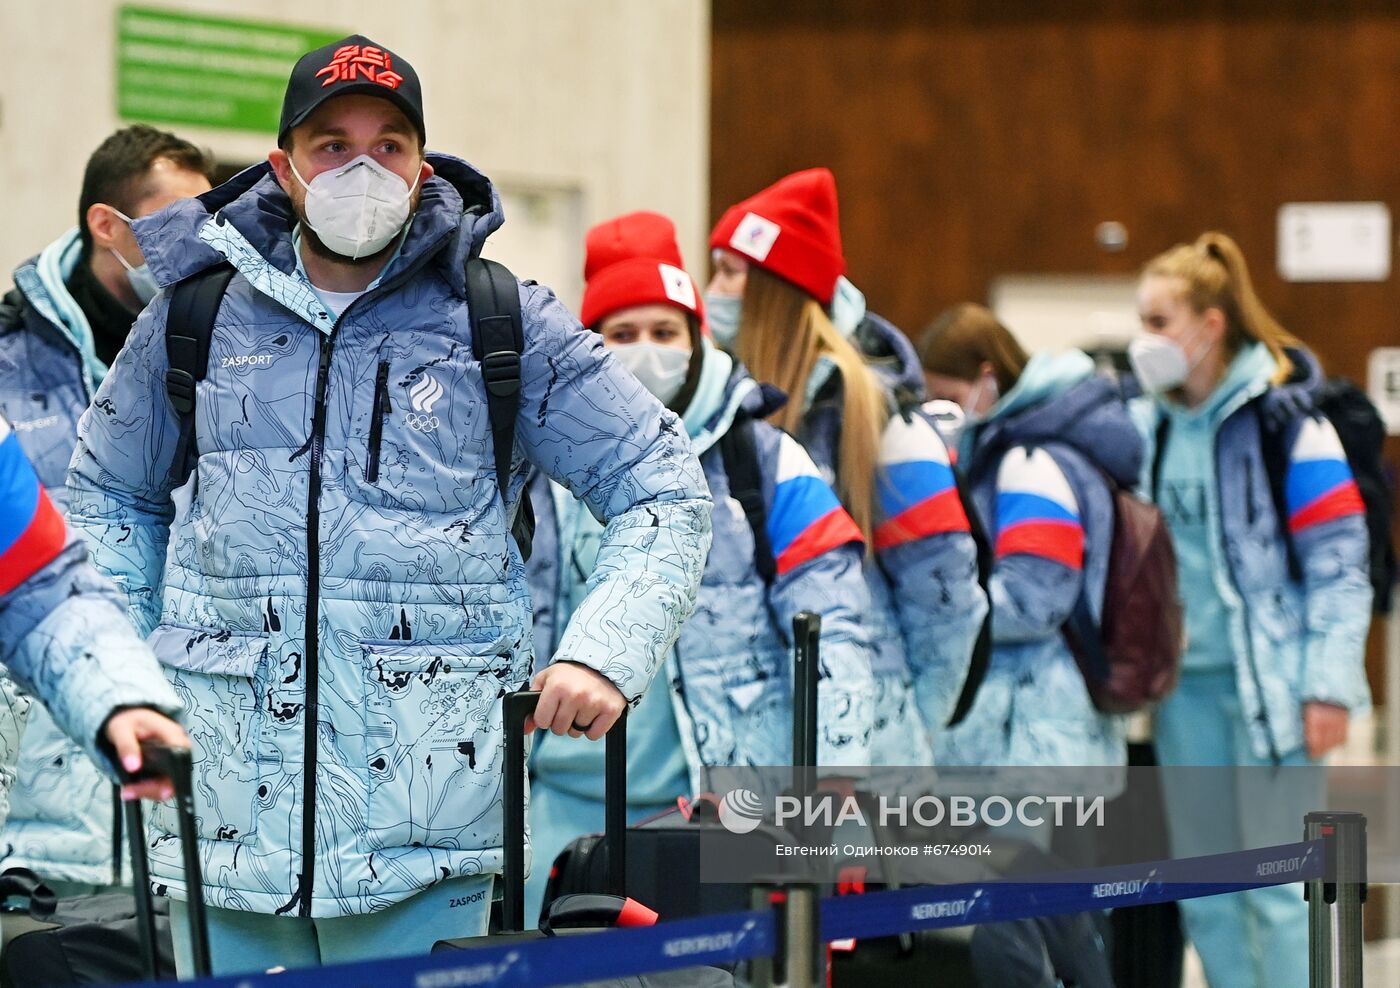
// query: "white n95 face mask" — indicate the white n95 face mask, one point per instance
point(1158, 363)
point(358, 208)
point(143, 283)
point(660, 368)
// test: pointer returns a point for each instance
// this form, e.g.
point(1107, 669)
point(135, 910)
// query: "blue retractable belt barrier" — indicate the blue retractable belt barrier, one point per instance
point(888, 913)
point(728, 939)
point(562, 960)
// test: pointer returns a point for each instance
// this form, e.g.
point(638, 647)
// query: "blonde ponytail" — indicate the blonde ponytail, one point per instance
point(1216, 276)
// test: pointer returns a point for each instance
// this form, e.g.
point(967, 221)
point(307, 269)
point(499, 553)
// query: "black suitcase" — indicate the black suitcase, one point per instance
point(582, 913)
point(109, 938)
point(663, 854)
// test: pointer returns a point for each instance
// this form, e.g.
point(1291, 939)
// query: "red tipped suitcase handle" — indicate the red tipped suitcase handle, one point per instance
point(590, 911)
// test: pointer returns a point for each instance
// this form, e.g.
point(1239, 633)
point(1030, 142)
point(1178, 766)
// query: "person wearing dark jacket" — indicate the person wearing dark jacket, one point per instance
point(61, 326)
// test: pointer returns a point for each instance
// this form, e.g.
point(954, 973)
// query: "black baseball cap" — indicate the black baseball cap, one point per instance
point(351, 65)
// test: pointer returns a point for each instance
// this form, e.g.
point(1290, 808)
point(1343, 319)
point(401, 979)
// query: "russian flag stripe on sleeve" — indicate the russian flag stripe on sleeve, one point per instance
point(1037, 513)
point(918, 494)
point(805, 519)
point(1320, 486)
point(31, 528)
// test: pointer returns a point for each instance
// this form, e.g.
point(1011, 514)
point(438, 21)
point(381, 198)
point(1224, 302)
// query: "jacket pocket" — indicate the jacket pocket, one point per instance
point(433, 741)
point(376, 423)
point(217, 675)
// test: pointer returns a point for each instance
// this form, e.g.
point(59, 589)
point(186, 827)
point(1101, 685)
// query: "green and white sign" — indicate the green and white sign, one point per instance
point(180, 68)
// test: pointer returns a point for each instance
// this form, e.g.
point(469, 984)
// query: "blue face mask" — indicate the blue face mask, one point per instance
point(722, 313)
point(143, 283)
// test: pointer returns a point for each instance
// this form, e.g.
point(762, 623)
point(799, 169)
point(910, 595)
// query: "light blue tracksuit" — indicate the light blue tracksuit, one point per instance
point(1259, 645)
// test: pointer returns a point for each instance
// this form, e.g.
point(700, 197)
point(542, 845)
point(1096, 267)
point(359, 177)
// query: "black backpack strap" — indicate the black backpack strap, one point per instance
point(189, 327)
point(498, 339)
point(1274, 449)
point(1159, 452)
point(738, 450)
point(986, 558)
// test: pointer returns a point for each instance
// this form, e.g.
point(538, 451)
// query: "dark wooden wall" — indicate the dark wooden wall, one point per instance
point(974, 139)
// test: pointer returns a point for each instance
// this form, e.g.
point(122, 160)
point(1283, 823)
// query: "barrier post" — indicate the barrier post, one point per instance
point(1335, 900)
point(805, 952)
point(762, 970)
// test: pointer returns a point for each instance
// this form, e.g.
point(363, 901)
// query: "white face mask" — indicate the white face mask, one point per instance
point(660, 368)
point(722, 312)
point(1158, 363)
point(142, 282)
point(1161, 364)
point(358, 208)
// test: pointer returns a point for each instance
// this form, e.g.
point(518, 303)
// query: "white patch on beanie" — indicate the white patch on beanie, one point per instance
point(679, 288)
point(755, 236)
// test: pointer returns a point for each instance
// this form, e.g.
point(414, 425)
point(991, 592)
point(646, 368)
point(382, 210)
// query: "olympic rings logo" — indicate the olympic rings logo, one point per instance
point(421, 423)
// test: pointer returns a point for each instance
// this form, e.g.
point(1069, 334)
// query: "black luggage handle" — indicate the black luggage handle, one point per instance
point(806, 670)
point(177, 765)
point(516, 709)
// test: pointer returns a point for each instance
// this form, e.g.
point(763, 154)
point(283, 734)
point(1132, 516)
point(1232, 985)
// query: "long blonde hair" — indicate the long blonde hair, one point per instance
point(783, 332)
point(1216, 276)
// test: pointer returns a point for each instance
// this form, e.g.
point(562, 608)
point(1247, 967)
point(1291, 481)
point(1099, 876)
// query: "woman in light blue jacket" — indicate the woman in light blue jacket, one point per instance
point(724, 695)
point(1274, 661)
point(1041, 434)
point(854, 391)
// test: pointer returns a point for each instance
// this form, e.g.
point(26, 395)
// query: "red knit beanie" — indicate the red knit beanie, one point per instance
point(634, 260)
point(790, 229)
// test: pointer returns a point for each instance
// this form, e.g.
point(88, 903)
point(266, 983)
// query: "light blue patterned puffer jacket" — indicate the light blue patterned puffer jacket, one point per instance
point(1290, 640)
point(61, 820)
point(341, 637)
point(1038, 467)
point(63, 633)
point(731, 671)
point(926, 606)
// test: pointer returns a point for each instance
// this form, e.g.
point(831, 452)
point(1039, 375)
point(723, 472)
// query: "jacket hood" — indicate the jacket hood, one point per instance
point(1300, 391)
point(890, 354)
point(458, 209)
point(1060, 399)
point(43, 280)
point(726, 391)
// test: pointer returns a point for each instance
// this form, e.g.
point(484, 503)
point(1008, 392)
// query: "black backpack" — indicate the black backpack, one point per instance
point(498, 338)
point(740, 456)
point(1362, 432)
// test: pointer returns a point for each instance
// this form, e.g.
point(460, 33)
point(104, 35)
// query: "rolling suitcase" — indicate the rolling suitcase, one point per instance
point(663, 854)
point(579, 914)
point(108, 939)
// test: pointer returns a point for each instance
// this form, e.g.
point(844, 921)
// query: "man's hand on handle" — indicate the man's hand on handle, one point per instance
point(576, 701)
point(126, 729)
